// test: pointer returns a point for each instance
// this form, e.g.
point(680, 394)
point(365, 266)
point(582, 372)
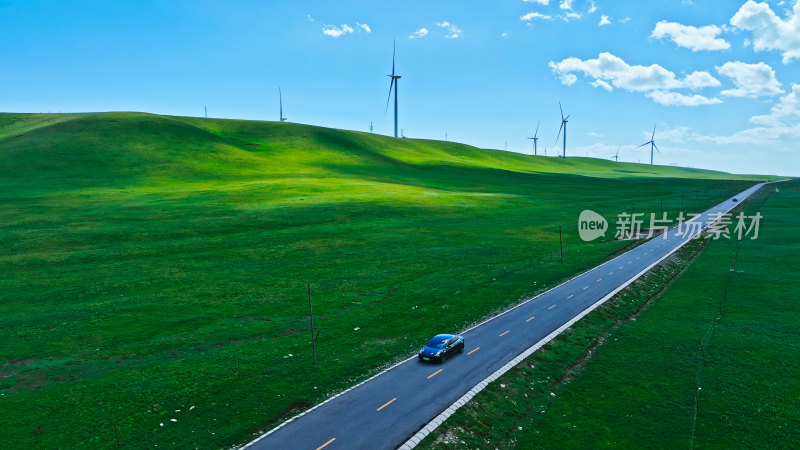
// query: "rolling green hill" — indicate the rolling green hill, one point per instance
point(155, 268)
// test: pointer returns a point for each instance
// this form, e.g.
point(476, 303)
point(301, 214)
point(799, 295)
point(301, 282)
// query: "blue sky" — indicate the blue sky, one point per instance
point(716, 78)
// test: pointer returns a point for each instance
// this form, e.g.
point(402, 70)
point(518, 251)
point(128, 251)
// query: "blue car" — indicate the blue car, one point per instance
point(441, 347)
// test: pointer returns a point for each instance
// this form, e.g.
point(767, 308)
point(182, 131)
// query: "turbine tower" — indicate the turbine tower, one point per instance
point(535, 139)
point(393, 84)
point(280, 96)
point(616, 157)
point(652, 143)
point(564, 126)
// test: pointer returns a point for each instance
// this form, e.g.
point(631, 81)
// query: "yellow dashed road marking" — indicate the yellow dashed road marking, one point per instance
point(386, 404)
point(434, 374)
point(326, 444)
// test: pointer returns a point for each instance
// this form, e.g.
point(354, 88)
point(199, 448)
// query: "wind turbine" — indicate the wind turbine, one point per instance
point(564, 126)
point(393, 84)
point(652, 143)
point(280, 96)
point(535, 139)
point(616, 157)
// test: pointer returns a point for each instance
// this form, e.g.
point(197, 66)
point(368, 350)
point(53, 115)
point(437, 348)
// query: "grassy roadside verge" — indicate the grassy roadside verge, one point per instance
point(612, 379)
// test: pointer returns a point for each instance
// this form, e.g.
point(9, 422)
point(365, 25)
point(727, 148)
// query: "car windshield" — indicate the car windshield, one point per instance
point(438, 342)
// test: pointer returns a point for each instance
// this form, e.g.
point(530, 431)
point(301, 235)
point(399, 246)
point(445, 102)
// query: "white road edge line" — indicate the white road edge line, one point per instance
point(251, 443)
point(438, 420)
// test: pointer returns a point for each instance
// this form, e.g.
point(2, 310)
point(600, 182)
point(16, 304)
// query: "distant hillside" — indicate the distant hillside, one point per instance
point(55, 151)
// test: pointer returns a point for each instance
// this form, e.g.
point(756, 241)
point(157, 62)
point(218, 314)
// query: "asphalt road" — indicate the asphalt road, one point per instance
point(389, 408)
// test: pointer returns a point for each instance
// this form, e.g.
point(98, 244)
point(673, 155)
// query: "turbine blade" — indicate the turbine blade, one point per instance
point(536, 133)
point(654, 145)
point(394, 50)
point(391, 85)
point(654, 132)
point(565, 118)
point(559, 133)
point(643, 144)
point(562, 111)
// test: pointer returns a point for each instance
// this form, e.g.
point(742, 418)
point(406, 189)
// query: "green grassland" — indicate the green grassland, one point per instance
point(709, 362)
point(154, 269)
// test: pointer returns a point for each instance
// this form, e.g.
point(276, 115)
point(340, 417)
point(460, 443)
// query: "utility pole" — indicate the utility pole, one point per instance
point(370, 128)
point(561, 243)
point(313, 338)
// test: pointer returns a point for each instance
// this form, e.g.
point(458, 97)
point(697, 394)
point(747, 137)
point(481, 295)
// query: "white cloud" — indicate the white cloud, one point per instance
point(570, 78)
point(752, 80)
point(625, 20)
point(769, 31)
point(785, 111)
point(620, 74)
point(310, 19)
point(703, 38)
point(610, 71)
point(422, 32)
point(604, 21)
point(757, 136)
point(504, 34)
point(534, 15)
point(602, 84)
point(566, 5)
point(592, 7)
point(677, 135)
point(452, 31)
point(334, 31)
point(571, 15)
point(364, 27)
point(541, 2)
point(700, 80)
point(678, 99)
point(779, 130)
